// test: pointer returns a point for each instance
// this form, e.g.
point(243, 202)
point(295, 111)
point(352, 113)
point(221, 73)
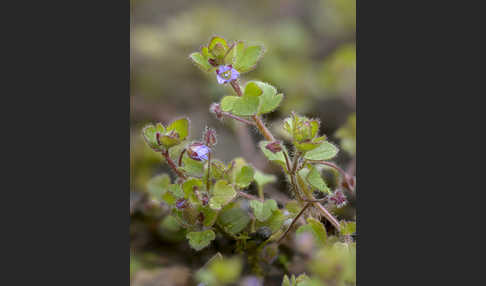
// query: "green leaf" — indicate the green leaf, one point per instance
point(173, 193)
point(242, 106)
point(316, 228)
point(263, 211)
point(294, 207)
point(169, 198)
point(274, 222)
point(245, 176)
point(227, 102)
point(217, 46)
point(222, 193)
point(217, 169)
point(278, 157)
point(226, 271)
point(246, 58)
point(325, 151)
point(210, 216)
point(200, 239)
point(252, 88)
point(181, 127)
point(286, 281)
point(233, 219)
point(158, 185)
point(192, 167)
point(348, 228)
point(269, 99)
point(262, 179)
point(188, 188)
point(149, 135)
point(201, 61)
point(313, 177)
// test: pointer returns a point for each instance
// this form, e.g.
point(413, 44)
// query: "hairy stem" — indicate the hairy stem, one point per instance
point(248, 196)
point(344, 175)
point(293, 222)
point(208, 181)
point(269, 136)
point(227, 114)
point(171, 163)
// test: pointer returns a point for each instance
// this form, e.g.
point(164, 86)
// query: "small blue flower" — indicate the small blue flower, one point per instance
point(226, 74)
point(198, 151)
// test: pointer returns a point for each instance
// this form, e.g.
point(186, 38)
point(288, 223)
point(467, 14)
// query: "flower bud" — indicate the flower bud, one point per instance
point(274, 147)
point(216, 109)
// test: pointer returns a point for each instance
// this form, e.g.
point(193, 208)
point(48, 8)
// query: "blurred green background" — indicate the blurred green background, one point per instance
point(310, 57)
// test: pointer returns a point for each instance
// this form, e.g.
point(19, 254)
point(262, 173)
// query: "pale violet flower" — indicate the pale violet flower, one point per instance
point(198, 151)
point(226, 74)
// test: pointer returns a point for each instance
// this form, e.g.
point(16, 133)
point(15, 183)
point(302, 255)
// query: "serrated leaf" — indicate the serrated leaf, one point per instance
point(324, 151)
point(246, 58)
point(244, 177)
point(181, 127)
point(158, 185)
point(233, 219)
point(278, 157)
point(313, 177)
point(222, 193)
point(201, 61)
point(263, 210)
point(316, 228)
point(200, 239)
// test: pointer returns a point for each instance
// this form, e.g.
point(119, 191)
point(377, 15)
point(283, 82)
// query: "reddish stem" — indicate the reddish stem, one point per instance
point(172, 164)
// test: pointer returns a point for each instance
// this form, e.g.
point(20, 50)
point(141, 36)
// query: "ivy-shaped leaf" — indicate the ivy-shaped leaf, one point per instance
point(201, 61)
point(192, 167)
point(200, 239)
point(246, 58)
point(244, 177)
point(181, 127)
point(233, 219)
point(263, 210)
point(149, 134)
point(324, 151)
point(269, 99)
point(222, 193)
